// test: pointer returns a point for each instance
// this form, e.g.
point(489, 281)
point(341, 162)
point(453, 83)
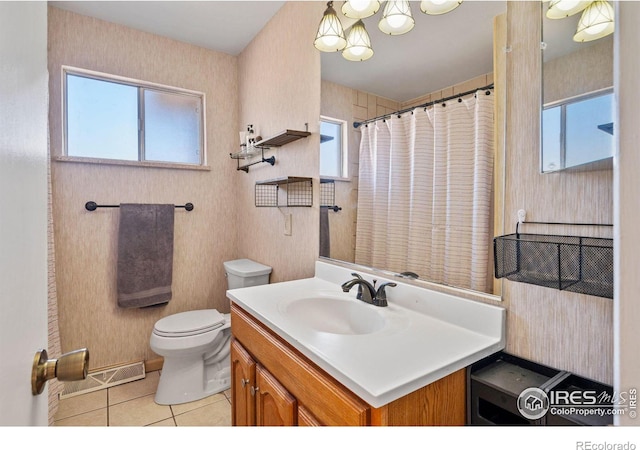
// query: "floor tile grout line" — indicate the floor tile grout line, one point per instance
point(174, 415)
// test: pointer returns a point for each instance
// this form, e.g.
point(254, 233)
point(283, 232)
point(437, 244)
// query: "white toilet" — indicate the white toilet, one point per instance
point(196, 344)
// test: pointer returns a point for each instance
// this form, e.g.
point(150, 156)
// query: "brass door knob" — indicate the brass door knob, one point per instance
point(71, 366)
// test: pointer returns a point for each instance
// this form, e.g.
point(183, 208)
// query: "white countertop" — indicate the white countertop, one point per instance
point(426, 336)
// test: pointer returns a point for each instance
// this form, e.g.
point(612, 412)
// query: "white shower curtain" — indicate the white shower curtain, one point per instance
point(425, 191)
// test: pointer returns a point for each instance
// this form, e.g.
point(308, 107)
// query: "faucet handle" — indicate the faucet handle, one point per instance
point(381, 294)
point(359, 295)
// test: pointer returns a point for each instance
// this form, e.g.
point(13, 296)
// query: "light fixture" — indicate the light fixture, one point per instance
point(437, 7)
point(360, 9)
point(396, 18)
point(559, 9)
point(596, 22)
point(358, 43)
point(330, 37)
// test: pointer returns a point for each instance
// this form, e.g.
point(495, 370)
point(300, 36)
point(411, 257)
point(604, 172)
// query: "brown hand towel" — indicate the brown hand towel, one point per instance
point(145, 255)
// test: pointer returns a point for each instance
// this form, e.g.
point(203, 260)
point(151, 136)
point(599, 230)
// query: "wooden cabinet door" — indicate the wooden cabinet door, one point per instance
point(306, 419)
point(243, 378)
point(275, 406)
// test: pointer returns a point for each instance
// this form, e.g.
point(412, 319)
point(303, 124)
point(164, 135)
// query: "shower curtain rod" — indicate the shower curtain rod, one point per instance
point(424, 105)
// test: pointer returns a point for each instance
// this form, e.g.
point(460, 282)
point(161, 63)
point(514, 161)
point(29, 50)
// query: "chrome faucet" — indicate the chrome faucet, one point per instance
point(367, 291)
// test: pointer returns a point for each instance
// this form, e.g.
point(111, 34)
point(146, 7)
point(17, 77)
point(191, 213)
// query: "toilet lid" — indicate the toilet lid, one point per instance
point(189, 323)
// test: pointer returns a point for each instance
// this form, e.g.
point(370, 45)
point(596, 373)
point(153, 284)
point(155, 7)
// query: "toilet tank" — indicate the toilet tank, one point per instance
point(244, 273)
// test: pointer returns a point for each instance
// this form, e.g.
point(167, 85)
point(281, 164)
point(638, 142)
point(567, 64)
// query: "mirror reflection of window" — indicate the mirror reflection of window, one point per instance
point(333, 148)
point(589, 137)
point(552, 139)
point(577, 131)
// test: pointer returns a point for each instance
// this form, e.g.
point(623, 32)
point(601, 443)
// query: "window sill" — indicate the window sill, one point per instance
point(118, 162)
point(323, 177)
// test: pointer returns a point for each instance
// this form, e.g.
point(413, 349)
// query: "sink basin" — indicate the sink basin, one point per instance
point(334, 315)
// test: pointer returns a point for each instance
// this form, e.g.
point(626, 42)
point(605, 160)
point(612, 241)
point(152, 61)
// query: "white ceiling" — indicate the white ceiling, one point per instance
point(440, 51)
point(226, 26)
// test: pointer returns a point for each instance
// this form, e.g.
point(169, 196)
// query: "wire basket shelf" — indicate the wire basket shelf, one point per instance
point(572, 263)
point(287, 191)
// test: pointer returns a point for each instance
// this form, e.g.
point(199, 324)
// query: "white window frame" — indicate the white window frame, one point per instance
point(141, 85)
point(344, 150)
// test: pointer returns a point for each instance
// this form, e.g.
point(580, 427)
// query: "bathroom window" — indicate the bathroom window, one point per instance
point(114, 118)
point(333, 148)
point(577, 131)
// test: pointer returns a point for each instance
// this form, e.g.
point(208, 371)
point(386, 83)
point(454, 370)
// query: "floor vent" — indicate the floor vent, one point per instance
point(104, 379)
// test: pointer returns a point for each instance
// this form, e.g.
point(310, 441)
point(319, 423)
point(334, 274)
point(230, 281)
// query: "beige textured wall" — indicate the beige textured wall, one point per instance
point(586, 70)
point(279, 88)
point(86, 242)
point(627, 192)
point(565, 330)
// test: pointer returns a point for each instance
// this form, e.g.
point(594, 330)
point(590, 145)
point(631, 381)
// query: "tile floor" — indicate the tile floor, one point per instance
point(131, 404)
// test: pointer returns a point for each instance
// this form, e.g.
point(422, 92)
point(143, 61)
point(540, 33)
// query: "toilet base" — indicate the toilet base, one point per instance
point(180, 383)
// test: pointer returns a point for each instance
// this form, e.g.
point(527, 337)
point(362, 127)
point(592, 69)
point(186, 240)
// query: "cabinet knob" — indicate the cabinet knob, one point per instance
point(244, 382)
point(254, 389)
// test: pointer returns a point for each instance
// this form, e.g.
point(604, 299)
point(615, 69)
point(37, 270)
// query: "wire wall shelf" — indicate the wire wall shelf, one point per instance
point(571, 263)
point(328, 195)
point(287, 191)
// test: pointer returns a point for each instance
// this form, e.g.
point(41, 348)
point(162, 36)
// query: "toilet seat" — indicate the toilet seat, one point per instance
point(189, 323)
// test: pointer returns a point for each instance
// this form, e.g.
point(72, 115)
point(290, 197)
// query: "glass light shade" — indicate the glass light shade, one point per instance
point(436, 7)
point(330, 37)
point(359, 9)
point(358, 43)
point(596, 22)
point(396, 18)
point(559, 9)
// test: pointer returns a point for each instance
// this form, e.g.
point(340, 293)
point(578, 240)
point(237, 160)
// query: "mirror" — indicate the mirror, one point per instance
point(350, 93)
point(577, 109)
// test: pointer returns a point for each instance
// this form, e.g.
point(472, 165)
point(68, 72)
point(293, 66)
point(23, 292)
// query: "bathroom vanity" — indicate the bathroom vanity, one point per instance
point(306, 353)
